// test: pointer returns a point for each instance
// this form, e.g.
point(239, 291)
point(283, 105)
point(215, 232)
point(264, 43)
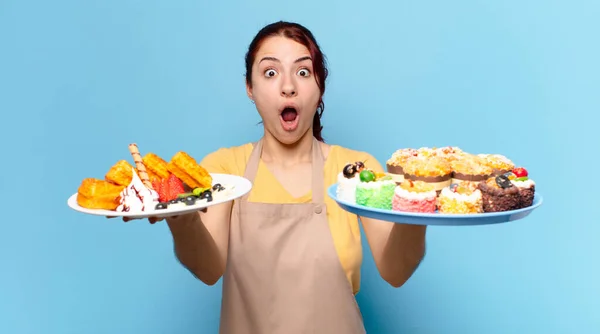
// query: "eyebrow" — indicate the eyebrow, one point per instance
point(277, 60)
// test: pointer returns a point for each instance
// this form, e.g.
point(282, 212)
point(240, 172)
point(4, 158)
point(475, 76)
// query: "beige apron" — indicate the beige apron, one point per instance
point(283, 273)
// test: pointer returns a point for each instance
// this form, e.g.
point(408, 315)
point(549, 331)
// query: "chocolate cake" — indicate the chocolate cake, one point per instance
point(499, 194)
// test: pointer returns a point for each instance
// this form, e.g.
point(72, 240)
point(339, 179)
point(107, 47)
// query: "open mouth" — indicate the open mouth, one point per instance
point(289, 114)
point(289, 118)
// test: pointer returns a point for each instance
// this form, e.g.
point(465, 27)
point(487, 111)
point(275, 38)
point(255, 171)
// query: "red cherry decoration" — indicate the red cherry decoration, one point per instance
point(520, 172)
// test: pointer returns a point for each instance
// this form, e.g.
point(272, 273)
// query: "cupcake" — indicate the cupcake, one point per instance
point(414, 196)
point(499, 194)
point(449, 153)
point(433, 170)
point(519, 177)
point(460, 198)
point(470, 169)
point(347, 180)
point(396, 162)
point(499, 163)
point(375, 190)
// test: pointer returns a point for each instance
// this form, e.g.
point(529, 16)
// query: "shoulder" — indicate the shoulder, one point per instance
point(228, 160)
point(340, 155)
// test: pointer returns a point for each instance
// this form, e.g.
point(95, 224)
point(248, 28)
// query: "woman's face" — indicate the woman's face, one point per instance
point(284, 88)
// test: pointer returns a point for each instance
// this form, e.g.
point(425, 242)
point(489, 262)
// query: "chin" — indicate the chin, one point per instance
point(290, 138)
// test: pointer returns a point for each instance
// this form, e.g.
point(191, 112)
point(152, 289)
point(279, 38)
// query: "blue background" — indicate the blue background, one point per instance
point(79, 80)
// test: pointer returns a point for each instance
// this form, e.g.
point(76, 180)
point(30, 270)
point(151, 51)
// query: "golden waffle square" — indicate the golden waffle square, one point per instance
point(120, 173)
point(156, 167)
point(189, 171)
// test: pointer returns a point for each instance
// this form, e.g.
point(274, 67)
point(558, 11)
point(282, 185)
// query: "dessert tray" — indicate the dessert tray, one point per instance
point(235, 186)
point(443, 219)
point(155, 188)
point(438, 186)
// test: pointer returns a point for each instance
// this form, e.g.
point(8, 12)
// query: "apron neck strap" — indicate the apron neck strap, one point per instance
point(318, 165)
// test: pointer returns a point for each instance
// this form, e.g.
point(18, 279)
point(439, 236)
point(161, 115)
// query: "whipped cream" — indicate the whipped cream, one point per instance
point(137, 197)
point(346, 189)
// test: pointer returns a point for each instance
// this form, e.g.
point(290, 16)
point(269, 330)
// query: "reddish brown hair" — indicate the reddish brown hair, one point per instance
point(303, 36)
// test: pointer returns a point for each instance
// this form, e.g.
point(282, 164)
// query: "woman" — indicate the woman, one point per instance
point(290, 257)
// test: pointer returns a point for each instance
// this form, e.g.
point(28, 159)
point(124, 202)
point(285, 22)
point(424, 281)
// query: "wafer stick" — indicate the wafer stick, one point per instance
point(137, 158)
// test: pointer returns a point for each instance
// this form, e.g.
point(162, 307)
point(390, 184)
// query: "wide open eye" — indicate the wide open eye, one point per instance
point(270, 73)
point(304, 72)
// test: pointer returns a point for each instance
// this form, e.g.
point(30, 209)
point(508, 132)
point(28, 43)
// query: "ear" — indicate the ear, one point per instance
point(248, 90)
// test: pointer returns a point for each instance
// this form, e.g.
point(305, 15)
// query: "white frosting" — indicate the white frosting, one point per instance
point(137, 197)
point(523, 184)
point(414, 195)
point(472, 197)
point(346, 189)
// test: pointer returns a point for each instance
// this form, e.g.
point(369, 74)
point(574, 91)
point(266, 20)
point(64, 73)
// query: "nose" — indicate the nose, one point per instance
point(288, 87)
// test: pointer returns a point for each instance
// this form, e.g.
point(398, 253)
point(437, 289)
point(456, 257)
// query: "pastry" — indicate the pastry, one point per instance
point(375, 190)
point(414, 196)
point(519, 177)
point(395, 163)
point(120, 173)
point(155, 166)
point(98, 194)
point(498, 193)
point(433, 169)
point(460, 198)
point(470, 168)
point(188, 171)
point(348, 179)
point(499, 163)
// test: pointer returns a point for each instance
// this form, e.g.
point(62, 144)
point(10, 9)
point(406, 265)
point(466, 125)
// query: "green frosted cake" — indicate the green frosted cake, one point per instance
point(375, 192)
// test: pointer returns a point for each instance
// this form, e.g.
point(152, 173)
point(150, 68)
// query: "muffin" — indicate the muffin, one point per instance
point(499, 163)
point(414, 196)
point(460, 198)
point(433, 170)
point(396, 162)
point(499, 194)
point(471, 169)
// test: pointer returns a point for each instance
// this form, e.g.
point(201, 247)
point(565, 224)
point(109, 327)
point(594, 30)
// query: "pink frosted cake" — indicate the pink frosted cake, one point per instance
point(414, 196)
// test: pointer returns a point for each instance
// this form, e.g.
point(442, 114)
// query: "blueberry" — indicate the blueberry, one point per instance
point(174, 201)
point(190, 200)
point(206, 194)
point(161, 206)
point(217, 186)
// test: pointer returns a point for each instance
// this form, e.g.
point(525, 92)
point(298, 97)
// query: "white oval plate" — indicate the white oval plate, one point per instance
point(236, 186)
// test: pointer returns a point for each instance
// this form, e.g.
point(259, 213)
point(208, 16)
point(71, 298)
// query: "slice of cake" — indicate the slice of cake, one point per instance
point(519, 177)
point(414, 196)
point(347, 180)
point(499, 194)
point(375, 190)
point(460, 198)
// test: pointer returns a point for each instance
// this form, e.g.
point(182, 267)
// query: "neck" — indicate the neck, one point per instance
point(276, 152)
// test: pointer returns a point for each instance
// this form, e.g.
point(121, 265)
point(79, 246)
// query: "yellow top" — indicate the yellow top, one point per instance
point(267, 189)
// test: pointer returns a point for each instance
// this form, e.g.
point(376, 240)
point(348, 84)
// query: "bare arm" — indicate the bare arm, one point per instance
point(397, 248)
point(201, 241)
